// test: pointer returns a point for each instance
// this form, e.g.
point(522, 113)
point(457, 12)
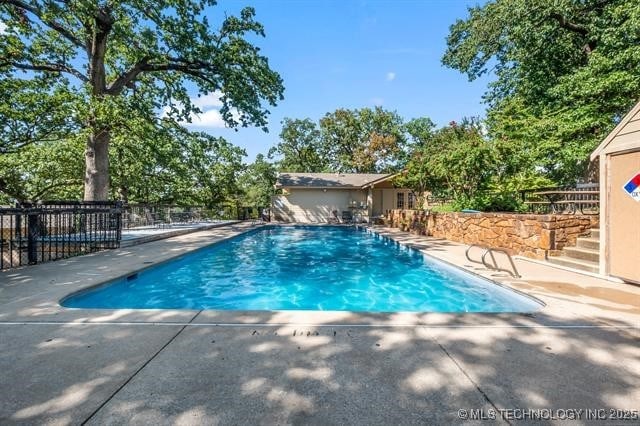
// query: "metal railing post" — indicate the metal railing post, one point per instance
point(32, 237)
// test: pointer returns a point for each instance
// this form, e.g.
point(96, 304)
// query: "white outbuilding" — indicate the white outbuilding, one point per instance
point(619, 155)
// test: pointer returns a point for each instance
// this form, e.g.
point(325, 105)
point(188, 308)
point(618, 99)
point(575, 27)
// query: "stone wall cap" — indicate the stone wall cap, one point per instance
point(526, 216)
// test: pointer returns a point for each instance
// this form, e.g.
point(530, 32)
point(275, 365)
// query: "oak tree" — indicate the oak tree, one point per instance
point(364, 140)
point(300, 147)
point(104, 52)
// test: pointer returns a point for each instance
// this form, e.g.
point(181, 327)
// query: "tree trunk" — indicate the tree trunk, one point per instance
point(96, 177)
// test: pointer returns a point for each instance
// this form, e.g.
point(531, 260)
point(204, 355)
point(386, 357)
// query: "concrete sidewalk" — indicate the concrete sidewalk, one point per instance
point(71, 366)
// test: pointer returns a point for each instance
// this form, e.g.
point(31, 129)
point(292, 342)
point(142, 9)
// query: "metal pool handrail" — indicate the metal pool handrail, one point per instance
point(466, 253)
point(489, 251)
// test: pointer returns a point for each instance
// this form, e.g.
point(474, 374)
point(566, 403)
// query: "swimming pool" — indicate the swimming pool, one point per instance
point(305, 268)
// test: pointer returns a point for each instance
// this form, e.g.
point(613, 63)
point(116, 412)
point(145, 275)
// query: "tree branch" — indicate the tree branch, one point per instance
point(193, 68)
point(126, 78)
point(568, 25)
point(48, 22)
point(576, 28)
point(14, 145)
point(20, 134)
point(47, 188)
point(50, 67)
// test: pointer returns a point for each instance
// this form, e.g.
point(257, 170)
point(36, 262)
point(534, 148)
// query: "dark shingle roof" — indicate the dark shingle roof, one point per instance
point(328, 180)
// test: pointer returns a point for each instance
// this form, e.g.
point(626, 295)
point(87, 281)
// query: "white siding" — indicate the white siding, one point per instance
point(627, 138)
point(314, 205)
point(390, 197)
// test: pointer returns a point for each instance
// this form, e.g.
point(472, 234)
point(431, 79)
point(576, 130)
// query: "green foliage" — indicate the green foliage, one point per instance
point(503, 194)
point(417, 172)
point(257, 183)
point(350, 141)
point(158, 44)
point(32, 111)
point(175, 166)
point(489, 202)
point(520, 182)
point(363, 140)
point(419, 130)
point(444, 208)
point(42, 171)
point(155, 164)
point(455, 160)
point(300, 148)
point(566, 72)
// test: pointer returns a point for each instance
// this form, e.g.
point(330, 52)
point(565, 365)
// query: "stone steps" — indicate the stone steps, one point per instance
point(583, 265)
point(588, 243)
point(585, 256)
point(582, 253)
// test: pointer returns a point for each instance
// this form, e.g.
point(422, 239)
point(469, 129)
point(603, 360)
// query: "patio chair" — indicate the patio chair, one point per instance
point(347, 216)
point(333, 218)
point(152, 219)
point(256, 220)
point(264, 215)
point(377, 219)
point(134, 220)
point(127, 220)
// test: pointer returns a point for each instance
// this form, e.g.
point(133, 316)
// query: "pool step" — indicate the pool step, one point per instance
point(585, 256)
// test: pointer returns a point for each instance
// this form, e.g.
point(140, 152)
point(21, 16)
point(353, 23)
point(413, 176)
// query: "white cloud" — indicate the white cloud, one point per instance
point(377, 101)
point(3, 28)
point(391, 76)
point(212, 100)
point(210, 116)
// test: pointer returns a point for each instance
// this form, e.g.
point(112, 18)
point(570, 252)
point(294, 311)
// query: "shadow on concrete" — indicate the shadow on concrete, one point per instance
point(291, 374)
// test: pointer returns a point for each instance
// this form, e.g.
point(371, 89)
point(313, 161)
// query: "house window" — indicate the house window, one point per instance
point(411, 201)
point(400, 200)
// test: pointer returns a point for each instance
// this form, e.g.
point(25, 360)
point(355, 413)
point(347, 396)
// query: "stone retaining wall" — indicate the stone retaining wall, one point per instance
point(528, 235)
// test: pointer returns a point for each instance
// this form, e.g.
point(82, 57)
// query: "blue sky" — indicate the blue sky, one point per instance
point(355, 54)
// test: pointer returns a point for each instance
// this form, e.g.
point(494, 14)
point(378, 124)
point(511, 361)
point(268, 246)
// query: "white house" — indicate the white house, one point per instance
point(313, 197)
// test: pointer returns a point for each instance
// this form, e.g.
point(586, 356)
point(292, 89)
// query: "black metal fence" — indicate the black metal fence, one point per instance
point(249, 213)
point(583, 198)
point(159, 215)
point(36, 233)
point(165, 215)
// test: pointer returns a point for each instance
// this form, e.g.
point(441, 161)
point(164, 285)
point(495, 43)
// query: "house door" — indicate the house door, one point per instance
point(623, 240)
point(377, 202)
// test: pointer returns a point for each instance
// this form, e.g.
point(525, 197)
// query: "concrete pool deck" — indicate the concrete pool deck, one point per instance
point(70, 366)
point(146, 234)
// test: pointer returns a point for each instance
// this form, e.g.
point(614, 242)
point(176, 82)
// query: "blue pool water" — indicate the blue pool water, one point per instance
point(306, 268)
